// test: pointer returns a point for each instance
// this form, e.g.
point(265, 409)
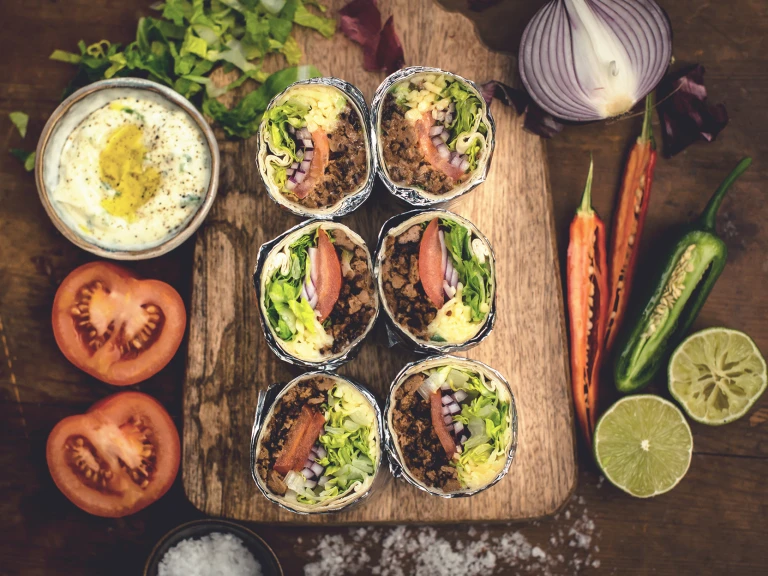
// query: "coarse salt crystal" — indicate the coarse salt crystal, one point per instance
point(213, 555)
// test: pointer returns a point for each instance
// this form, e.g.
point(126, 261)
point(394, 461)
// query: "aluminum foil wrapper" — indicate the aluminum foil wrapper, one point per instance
point(349, 203)
point(396, 464)
point(415, 196)
point(266, 402)
point(332, 362)
point(396, 334)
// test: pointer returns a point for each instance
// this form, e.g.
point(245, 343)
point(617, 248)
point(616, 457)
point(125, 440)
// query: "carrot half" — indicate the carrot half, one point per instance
point(587, 307)
point(301, 437)
point(628, 221)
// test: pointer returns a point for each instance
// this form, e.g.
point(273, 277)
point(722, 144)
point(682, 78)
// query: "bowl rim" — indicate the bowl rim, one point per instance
point(174, 98)
point(226, 524)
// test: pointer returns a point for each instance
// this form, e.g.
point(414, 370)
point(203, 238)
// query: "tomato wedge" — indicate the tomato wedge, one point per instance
point(115, 327)
point(429, 150)
point(436, 405)
point(431, 264)
point(119, 457)
point(301, 437)
point(328, 283)
point(317, 165)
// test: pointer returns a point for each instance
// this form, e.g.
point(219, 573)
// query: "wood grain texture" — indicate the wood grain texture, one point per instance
point(229, 361)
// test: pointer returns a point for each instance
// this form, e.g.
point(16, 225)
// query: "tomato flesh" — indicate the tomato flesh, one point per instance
point(429, 150)
point(115, 327)
point(301, 437)
point(317, 165)
point(431, 264)
point(436, 406)
point(328, 284)
point(118, 458)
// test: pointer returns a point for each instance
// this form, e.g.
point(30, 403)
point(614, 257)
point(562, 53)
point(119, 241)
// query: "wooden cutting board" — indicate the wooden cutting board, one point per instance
point(229, 361)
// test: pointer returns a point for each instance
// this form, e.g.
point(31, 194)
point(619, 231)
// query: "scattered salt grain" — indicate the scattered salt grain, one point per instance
point(212, 555)
point(402, 551)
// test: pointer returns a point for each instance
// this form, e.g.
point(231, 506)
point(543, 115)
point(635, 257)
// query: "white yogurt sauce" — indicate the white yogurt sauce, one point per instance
point(173, 146)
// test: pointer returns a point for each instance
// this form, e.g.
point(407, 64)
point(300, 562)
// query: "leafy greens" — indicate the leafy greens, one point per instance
point(182, 46)
point(474, 275)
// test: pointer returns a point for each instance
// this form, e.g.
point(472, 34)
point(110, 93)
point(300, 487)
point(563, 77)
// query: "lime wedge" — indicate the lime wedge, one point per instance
point(643, 445)
point(717, 375)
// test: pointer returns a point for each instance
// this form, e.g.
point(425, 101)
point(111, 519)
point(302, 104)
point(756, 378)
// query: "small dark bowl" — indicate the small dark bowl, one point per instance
point(199, 528)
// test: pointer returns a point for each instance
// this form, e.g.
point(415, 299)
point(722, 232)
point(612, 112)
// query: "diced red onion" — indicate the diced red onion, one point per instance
point(448, 289)
point(447, 400)
point(309, 288)
point(458, 449)
point(445, 387)
point(313, 301)
point(455, 278)
point(464, 166)
point(323, 480)
point(308, 463)
point(308, 155)
point(314, 448)
point(436, 140)
point(290, 184)
point(454, 408)
point(435, 130)
point(307, 143)
point(460, 396)
point(451, 108)
point(317, 469)
point(446, 410)
point(304, 166)
point(307, 473)
point(299, 176)
point(448, 419)
point(444, 262)
point(321, 452)
point(289, 172)
point(291, 129)
point(444, 135)
point(458, 427)
point(295, 166)
point(443, 150)
point(448, 270)
point(456, 160)
point(462, 440)
point(310, 484)
point(303, 133)
point(448, 118)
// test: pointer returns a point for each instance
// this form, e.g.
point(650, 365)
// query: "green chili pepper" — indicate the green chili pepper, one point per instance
point(687, 278)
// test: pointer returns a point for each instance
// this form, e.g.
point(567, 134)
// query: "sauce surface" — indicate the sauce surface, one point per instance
point(132, 173)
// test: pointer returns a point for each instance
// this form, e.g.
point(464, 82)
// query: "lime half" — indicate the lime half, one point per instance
point(643, 445)
point(717, 375)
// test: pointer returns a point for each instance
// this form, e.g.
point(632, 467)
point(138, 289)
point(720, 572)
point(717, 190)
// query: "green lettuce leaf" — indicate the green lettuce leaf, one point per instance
point(303, 17)
point(20, 120)
point(26, 158)
point(475, 277)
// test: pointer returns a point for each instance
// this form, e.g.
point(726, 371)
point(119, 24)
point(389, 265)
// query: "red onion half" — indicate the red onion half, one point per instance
point(584, 60)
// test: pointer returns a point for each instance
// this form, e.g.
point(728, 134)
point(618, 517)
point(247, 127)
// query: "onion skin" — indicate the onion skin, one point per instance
point(587, 60)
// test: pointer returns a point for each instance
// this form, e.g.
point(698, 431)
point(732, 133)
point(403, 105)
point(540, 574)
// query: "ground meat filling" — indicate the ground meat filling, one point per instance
point(347, 168)
point(406, 298)
point(313, 391)
point(423, 454)
point(356, 304)
point(405, 162)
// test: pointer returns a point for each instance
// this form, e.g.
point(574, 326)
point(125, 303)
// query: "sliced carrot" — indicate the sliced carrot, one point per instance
point(317, 165)
point(431, 264)
point(436, 402)
point(328, 283)
point(429, 150)
point(301, 437)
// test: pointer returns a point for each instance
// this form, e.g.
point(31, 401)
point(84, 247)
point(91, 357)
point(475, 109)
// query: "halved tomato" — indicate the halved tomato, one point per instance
point(436, 408)
point(116, 459)
point(431, 264)
point(115, 327)
point(317, 165)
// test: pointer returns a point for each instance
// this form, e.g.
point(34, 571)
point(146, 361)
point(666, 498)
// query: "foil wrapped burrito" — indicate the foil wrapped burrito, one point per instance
point(433, 135)
point(451, 426)
point(316, 444)
point(314, 148)
point(436, 276)
point(316, 295)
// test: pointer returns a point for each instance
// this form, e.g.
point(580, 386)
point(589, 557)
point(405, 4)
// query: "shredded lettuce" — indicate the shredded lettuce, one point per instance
point(467, 130)
point(282, 298)
point(189, 38)
point(485, 415)
point(26, 158)
point(473, 275)
point(20, 120)
point(279, 118)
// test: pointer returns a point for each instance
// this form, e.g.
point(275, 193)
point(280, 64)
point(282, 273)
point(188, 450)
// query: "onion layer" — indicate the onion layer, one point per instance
point(584, 60)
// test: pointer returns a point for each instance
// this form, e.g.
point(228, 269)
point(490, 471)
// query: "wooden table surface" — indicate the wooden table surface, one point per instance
point(714, 522)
